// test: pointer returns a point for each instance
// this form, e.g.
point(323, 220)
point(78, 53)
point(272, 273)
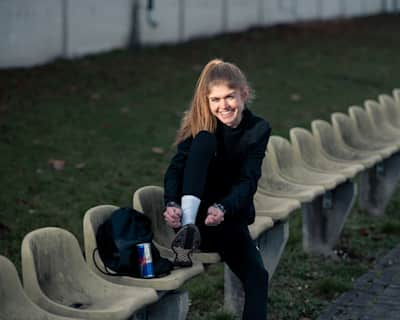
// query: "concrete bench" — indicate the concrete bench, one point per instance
point(335, 148)
point(295, 169)
point(271, 239)
point(325, 215)
point(307, 150)
point(173, 303)
point(278, 209)
point(307, 192)
point(93, 218)
point(14, 302)
point(347, 128)
point(378, 183)
point(150, 201)
point(369, 130)
point(57, 279)
point(396, 96)
point(274, 185)
point(377, 114)
point(391, 109)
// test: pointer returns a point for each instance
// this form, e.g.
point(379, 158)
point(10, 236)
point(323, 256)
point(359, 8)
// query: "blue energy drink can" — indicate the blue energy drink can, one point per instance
point(145, 260)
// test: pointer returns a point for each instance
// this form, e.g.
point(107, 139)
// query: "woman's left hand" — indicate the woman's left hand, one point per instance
point(215, 216)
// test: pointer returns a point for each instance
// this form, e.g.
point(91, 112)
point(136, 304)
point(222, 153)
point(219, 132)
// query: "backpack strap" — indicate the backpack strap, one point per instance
point(107, 272)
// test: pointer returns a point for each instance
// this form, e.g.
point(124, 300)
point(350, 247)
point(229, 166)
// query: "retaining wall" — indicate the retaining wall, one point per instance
point(37, 31)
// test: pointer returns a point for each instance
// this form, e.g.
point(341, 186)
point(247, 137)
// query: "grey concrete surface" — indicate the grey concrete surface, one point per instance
point(376, 294)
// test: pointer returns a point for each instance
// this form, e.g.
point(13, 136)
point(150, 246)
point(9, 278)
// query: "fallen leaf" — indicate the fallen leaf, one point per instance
point(157, 150)
point(124, 110)
point(80, 165)
point(295, 97)
point(56, 164)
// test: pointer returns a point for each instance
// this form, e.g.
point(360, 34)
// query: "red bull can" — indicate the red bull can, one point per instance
point(145, 260)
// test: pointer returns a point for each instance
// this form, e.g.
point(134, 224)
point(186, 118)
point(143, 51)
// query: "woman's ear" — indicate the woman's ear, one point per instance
point(244, 93)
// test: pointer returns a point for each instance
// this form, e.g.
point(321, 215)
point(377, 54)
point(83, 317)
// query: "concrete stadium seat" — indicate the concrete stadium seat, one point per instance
point(306, 149)
point(259, 226)
point(57, 278)
point(93, 218)
point(270, 237)
point(14, 303)
point(335, 203)
point(347, 129)
point(369, 130)
point(150, 201)
point(278, 209)
point(294, 169)
point(396, 96)
point(383, 125)
point(378, 183)
point(335, 148)
point(272, 184)
point(391, 109)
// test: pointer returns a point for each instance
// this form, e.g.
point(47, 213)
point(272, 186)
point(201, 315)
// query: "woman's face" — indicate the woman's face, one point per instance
point(227, 104)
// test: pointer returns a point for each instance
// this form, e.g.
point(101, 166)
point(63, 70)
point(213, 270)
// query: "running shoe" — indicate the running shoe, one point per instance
point(185, 242)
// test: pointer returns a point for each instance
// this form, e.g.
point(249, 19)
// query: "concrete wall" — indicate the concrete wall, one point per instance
point(278, 11)
point(168, 15)
point(96, 25)
point(372, 6)
point(203, 18)
point(31, 32)
point(241, 14)
point(332, 9)
point(36, 31)
point(308, 9)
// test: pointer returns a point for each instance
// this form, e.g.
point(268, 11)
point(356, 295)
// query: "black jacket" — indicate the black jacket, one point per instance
point(234, 171)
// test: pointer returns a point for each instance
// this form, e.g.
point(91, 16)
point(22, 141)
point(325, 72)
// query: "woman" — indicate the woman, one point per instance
point(210, 182)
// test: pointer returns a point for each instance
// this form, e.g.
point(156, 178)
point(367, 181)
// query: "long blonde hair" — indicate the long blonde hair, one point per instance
point(199, 117)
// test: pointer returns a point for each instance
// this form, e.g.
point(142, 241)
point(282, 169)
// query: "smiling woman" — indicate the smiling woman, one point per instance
point(211, 180)
point(227, 104)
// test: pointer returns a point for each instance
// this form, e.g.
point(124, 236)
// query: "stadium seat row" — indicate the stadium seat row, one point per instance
point(320, 171)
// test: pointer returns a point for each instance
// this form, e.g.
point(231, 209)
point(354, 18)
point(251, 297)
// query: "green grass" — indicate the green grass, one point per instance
point(104, 115)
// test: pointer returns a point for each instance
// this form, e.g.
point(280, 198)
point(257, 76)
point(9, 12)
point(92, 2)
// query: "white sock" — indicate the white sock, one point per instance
point(190, 206)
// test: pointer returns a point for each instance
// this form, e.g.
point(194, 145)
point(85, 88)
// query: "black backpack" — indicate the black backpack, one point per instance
point(117, 238)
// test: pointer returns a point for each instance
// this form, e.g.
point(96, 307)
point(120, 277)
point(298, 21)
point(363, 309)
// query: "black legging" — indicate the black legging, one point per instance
point(231, 239)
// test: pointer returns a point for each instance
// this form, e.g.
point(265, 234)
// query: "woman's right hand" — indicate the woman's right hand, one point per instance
point(172, 216)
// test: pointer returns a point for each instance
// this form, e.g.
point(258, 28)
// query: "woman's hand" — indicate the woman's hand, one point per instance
point(215, 216)
point(172, 216)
